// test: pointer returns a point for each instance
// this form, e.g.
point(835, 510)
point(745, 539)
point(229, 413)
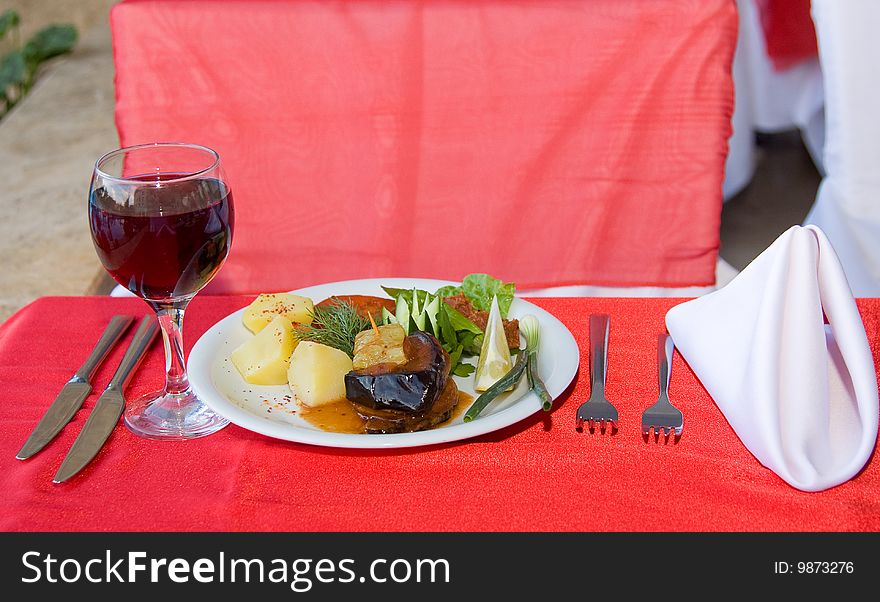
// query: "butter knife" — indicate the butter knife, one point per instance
point(109, 406)
point(71, 397)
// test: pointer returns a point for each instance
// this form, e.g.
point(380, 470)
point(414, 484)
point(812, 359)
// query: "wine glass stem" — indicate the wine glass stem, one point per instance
point(171, 321)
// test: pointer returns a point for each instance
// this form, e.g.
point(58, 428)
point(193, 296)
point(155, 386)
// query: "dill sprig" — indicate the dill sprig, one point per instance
point(334, 325)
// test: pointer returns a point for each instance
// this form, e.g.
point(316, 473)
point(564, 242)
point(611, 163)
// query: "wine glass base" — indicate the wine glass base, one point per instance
point(161, 415)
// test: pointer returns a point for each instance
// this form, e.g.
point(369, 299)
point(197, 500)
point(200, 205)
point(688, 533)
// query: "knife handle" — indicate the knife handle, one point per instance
point(145, 334)
point(114, 331)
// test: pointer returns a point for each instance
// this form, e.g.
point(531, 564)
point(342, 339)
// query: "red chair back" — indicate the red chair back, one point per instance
point(547, 142)
point(789, 34)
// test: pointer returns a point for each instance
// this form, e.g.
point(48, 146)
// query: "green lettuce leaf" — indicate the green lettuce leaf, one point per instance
point(461, 322)
point(464, 369)
point(449, 290)
point(479, 289)
point(447, 331)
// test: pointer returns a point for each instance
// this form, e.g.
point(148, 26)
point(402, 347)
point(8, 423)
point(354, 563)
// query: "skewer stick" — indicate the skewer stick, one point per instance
point(373, 322)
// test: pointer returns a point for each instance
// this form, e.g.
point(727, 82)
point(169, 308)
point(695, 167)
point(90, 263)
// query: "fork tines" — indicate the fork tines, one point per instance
point(660, 430)
point(598, 409)
point(663, 417)
point(594, 413)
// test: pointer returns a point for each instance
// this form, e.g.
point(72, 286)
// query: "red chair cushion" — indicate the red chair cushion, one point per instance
point(547, 142)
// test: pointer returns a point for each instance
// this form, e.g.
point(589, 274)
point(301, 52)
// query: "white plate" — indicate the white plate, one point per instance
point(216, 381)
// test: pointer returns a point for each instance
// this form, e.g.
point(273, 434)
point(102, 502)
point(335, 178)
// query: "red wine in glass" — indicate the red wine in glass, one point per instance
point(159, 246)
point(161, 217)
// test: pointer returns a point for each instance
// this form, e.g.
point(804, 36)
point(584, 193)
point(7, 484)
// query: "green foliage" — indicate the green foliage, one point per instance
point(12, 69)
point(8, 20)
point(50, 42)
point(18, 68)
point(335, 325)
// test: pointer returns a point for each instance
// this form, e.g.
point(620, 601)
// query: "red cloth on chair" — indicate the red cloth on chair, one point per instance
point(789, 33)
point(547, 142)
point(537, 475)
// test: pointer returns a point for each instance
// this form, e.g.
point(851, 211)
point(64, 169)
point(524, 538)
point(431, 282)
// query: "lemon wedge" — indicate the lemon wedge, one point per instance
point(494, 359)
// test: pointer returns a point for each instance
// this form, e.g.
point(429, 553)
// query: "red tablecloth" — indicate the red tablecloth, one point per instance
point(373, 139)
point(540, 474)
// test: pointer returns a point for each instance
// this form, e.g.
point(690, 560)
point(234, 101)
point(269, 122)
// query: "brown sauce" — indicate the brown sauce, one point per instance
point(341, 417)
point(334, 417)
point(464, 402)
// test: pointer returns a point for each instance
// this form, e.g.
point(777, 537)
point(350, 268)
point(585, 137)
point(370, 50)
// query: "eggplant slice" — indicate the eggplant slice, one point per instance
point(410, 387)
point(395, 421)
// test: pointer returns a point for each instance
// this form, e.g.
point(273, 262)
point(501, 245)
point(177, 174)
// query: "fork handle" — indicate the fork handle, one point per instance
point(665, 349)
point(599, 326)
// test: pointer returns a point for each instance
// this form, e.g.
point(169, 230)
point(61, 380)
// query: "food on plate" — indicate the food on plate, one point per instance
point(377, 421)
point(479, 289)
point(531, 330)
point(267, 306)
point(417, 310)
point(394, 397)
point(508, 380)
point(494, 359)
point(455, 315)
point(264, 359)
point(383, 344)
point(366, 364)
point(317, 373)
point(364, 305)
point(526, 363)
point(413, 386)
point(335, 323)
point(462, 305)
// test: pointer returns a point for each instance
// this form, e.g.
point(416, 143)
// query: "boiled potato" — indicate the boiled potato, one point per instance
point(265, 307)
point(263, 360)
point(317, 373)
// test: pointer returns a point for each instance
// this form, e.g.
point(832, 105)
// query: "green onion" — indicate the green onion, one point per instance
point(531, 330)
point(536, 384)
point(508, 380)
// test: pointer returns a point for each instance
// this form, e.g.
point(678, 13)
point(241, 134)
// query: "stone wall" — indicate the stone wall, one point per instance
point(48, 145)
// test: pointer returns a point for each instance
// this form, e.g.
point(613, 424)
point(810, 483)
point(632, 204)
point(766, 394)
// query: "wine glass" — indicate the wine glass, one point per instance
point(161, 218)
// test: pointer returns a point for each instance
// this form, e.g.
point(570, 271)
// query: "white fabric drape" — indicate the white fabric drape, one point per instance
point(847, 206)
point(769, 101)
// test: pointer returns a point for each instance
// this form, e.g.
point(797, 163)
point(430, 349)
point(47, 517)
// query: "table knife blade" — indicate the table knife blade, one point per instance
point(93, 435)
point(72, 395)
point(105, 415)
point(69, 400)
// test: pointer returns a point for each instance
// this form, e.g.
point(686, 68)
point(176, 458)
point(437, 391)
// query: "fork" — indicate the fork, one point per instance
point(597, 408)
point(663, 416)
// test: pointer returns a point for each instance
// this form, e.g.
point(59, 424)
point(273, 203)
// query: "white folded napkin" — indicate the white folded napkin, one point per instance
point(802, 395)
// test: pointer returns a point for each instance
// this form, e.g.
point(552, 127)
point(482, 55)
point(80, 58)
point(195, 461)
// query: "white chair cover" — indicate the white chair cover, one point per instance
point(769, 101)
point(847, 206)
